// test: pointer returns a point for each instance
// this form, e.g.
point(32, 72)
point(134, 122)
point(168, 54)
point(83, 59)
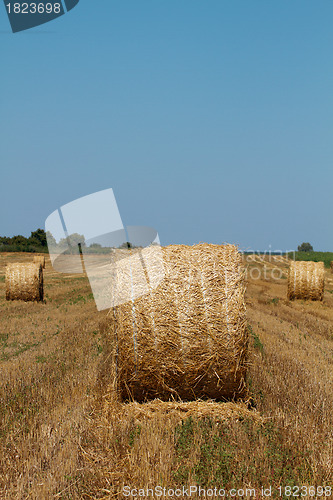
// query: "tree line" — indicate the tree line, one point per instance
point(36, 242)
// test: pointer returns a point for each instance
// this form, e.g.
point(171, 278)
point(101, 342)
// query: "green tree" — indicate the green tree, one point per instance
point(305, 247)
point(19, 240)
point(75, 239)
point(39, 236)
point(51, 239)
point(5, 240)
point(70, 244)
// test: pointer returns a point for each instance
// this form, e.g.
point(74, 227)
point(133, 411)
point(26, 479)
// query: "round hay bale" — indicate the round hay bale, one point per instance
point(187, 338)
point(306, 280)
point(331, 265)
point(24, 282)
point(40, 259)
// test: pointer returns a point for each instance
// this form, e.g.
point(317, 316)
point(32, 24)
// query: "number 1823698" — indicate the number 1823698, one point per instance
point(34, 8)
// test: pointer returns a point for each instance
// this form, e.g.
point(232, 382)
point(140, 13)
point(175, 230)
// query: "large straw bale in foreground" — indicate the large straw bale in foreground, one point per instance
point(40, 259)
point(24, 282)
point(187, 338)
point(306, 280)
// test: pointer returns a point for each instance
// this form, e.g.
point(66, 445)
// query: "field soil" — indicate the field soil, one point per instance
point(64, 436)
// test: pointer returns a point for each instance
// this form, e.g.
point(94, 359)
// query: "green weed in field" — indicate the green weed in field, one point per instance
point(211, 453)
point(134, 434)
point(257, 344)
point(325, 257)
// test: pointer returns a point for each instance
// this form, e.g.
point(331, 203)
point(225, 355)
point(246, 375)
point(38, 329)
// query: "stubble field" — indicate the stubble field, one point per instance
point(62, 437)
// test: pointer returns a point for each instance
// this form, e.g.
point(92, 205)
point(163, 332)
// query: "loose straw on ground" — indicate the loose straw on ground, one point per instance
point(179, 410)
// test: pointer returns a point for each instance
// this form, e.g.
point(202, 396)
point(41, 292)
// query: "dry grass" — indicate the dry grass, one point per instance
point(62, 437)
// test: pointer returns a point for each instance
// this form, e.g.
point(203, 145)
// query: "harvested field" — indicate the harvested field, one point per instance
point(62, 436)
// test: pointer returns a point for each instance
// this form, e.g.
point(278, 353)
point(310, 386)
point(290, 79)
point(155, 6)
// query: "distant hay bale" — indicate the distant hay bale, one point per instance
point(306, 280)
point(331, 264)
point(187, 338)
point(24, 282)
point(40, 259)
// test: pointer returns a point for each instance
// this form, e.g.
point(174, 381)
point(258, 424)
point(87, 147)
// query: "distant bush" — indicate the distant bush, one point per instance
point(36, 243)
point(305, 247)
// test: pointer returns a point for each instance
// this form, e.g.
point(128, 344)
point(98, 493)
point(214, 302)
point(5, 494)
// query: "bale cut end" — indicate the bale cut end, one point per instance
point(306, 280)
point(24, 282)
point(187, 338)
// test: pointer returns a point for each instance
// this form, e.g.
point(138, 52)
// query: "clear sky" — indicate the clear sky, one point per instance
point(212, 120)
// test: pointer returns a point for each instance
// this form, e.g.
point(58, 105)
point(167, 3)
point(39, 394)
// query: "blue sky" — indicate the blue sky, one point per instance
point(211, 121)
